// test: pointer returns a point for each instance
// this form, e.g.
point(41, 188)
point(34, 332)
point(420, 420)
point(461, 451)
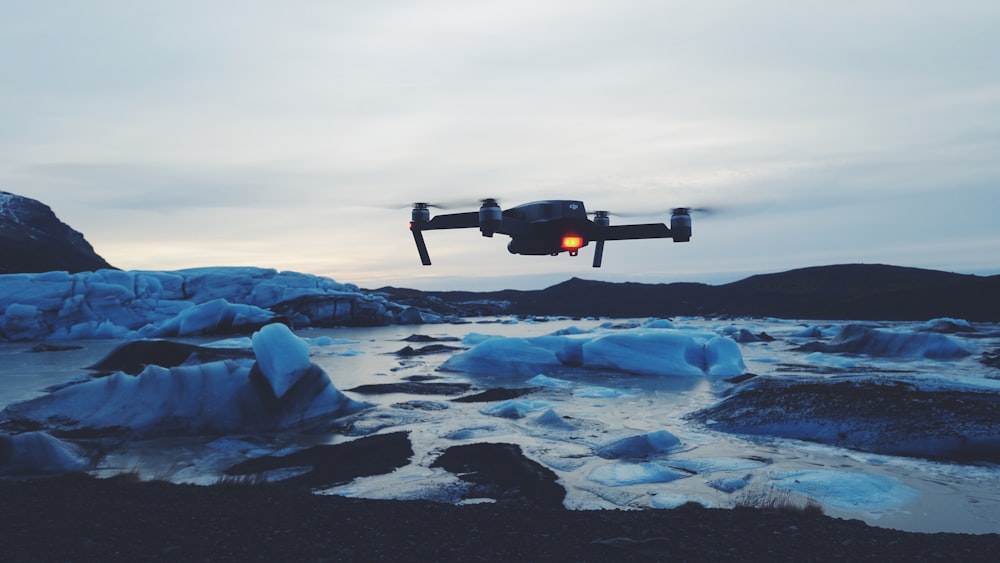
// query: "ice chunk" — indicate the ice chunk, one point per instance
point(624, 474)
point(281, 356)
point(38, 452)
point(639, 351)
point(514, 408)
point(22, 322)
point(946, 325)
point(504, 357)
point(659, 323)
point(551, 419)
point(846, 490)
point(723, 358)
point(863, 339)
point(641, 446)
point(730, 484)
point(211, 398)
point(542, 380)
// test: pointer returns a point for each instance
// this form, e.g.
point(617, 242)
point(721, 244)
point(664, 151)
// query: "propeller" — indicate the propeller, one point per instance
point(713, 210)
point(440, 204)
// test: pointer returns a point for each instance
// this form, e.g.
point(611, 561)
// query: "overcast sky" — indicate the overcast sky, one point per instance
point(184, 133)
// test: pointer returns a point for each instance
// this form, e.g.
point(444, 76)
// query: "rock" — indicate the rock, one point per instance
point(502, 472)
point(34, 240)
point(133, 357)
point(336, 464)
point(893, 416)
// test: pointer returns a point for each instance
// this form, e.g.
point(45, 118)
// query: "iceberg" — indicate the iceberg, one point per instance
point(641, 446)
point(640, 351)
point(624, 474)
point(280, 390)
point(864, 339)
point(39, 453)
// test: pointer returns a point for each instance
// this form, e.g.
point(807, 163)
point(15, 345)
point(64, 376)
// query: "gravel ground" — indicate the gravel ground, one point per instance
point(79, 518)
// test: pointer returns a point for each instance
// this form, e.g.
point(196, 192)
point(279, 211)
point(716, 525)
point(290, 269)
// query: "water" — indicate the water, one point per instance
point(600, 407)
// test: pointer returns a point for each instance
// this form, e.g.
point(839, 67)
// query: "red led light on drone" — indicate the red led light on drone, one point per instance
point(572, 242)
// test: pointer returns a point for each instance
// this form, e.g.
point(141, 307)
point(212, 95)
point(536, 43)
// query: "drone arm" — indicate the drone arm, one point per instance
point(449, 221)
point(452, 221)
point(598, 252)
point(418, 237)
point(632, 232)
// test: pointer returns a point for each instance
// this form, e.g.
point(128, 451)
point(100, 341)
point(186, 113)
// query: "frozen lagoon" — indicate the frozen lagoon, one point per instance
point(577, 412)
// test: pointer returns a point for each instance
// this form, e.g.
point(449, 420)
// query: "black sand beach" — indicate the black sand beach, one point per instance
point(79, 518)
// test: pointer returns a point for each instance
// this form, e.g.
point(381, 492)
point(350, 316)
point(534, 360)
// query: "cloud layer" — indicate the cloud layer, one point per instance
point(177, 134)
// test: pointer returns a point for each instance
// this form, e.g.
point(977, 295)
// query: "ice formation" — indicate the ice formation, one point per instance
point(38, 452)
point(641, 351)
point(864, 339)
point(140, 304)
point(281, 390)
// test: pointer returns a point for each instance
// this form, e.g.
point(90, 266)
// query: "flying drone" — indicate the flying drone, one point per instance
point(548, 227)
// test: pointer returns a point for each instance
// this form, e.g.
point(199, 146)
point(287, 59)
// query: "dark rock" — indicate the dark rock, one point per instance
point(498, 394)
point(893, 416)
point(991, 359)
point(421, 406)
point(34, 240)
point(744, 336)
point(337, 464)
point(49, 347)
point(502, 472)
point(426, 338)
point(133, 357)
point(412, 388)
point(408, 351)
point(422, 377)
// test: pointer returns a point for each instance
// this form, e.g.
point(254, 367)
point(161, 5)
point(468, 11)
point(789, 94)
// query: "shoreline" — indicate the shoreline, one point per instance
point(82, 518)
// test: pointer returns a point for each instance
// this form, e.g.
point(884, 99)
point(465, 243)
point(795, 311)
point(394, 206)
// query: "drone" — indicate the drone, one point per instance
point(546, 228)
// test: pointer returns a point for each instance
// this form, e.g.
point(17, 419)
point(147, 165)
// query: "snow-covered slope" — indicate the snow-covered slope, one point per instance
point(136, 304)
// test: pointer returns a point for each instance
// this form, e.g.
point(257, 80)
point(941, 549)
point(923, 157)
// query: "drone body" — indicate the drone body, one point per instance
point(548, 227)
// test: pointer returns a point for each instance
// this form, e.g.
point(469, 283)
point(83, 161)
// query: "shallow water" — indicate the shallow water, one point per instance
point(597, 408)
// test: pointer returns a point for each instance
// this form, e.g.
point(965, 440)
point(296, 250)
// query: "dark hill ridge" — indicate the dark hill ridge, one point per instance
point(839, 292)
point(33, 240)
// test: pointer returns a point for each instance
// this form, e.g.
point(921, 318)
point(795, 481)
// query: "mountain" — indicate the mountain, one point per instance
point(33, 240)
point(838, 292)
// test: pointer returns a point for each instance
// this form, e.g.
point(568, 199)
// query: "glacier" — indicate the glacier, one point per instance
point(198, 301)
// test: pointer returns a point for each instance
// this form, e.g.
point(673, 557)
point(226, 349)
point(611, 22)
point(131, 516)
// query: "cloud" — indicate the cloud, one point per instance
point(829, 131)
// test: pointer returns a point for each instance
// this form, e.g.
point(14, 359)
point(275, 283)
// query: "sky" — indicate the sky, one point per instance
point(296, 135)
